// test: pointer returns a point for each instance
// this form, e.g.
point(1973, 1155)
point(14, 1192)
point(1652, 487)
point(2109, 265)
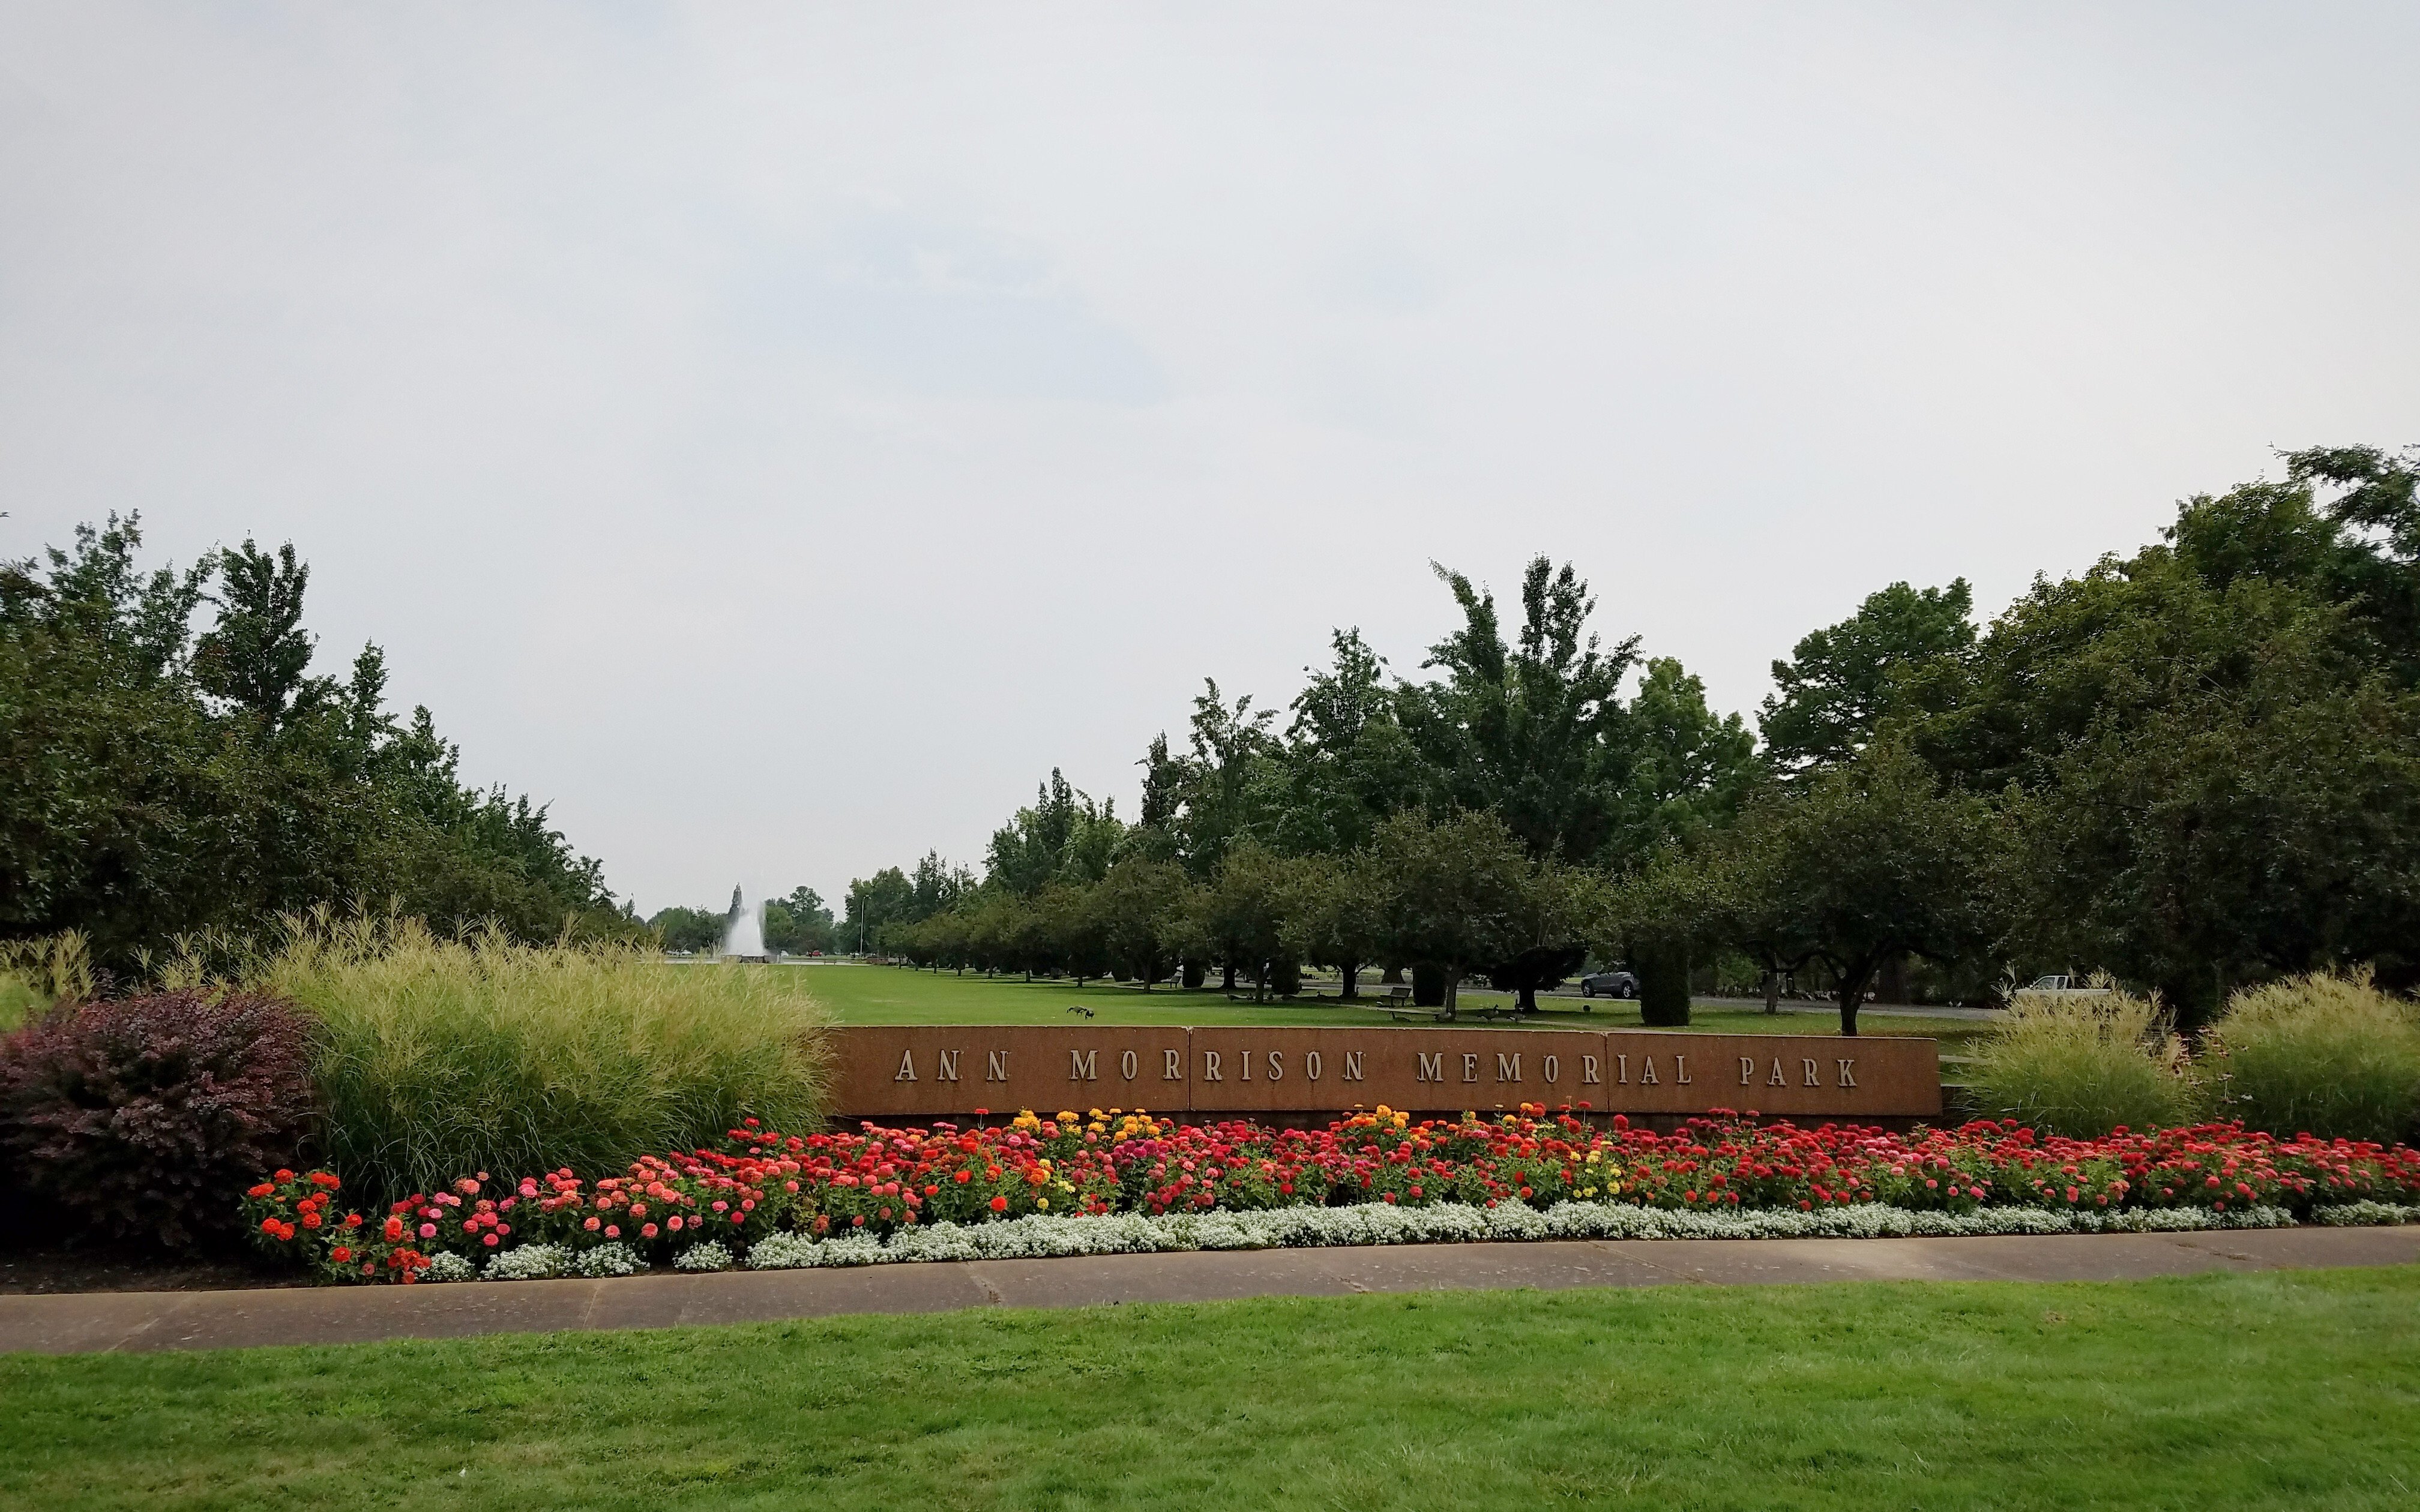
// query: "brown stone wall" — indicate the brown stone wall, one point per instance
point(958, 1070)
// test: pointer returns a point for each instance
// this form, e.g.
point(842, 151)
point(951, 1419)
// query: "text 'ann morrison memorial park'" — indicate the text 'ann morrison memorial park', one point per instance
point(891, 1072)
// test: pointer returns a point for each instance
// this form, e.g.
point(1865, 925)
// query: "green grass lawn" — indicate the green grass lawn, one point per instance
point(2227, 1391)
point(896, 995)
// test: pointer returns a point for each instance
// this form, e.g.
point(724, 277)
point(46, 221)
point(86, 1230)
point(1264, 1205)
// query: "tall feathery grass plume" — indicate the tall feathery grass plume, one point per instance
point(37, 974)
point(442, 1058)
point(2324, 1053)
point(2084, 1063)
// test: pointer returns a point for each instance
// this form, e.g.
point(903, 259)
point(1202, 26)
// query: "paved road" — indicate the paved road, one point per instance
point(95, 1321)
point(1829, 1010)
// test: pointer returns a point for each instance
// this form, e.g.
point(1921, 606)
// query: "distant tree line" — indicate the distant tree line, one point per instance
point(799, 925)
point(2196, 767)
point(170, 768)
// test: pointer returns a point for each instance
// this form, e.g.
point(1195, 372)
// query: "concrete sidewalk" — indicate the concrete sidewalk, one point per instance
point(145, 1320)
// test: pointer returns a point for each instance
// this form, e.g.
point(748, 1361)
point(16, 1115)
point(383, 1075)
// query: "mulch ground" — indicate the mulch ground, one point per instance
point(96, 1268)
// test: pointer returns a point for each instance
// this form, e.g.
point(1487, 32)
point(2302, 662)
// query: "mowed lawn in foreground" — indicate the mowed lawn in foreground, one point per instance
point(2220, 1392)
point(898, 995)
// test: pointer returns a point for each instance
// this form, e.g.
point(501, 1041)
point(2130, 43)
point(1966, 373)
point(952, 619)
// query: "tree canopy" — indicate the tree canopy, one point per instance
point(156, 783)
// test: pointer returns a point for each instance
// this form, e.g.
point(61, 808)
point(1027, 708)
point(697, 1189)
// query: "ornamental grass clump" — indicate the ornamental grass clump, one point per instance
point(440, 1057)
point(35, 974)
point(2081, 1065)
point(2325, 1055)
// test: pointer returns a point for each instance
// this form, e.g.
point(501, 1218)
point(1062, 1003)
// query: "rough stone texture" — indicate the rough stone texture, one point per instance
point(95, 1321)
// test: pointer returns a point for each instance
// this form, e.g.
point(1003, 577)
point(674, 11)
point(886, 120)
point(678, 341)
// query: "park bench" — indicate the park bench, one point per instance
point(1400, 1008)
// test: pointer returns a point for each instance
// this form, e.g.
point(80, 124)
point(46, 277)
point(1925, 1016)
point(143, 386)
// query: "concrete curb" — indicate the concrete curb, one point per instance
point(95, 1322)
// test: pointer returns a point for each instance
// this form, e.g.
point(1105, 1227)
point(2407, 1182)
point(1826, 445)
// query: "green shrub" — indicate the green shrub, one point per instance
point(1663, 986)
point(2082, 1066)
point(2325, 1055)
point(142, 1117)
point(440, 1058)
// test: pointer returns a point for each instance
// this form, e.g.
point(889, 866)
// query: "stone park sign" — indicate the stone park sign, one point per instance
point(947, 1069)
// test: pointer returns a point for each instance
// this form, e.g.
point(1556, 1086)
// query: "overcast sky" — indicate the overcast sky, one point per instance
point(777, 435)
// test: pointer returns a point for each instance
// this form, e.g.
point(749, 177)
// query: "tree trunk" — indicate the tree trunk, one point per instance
point(1528, 1001)
point(1853, 993)
point(1352, 988)
point(1227, 977)
point(1261, 983)
point(1890, 980)
point(1771, 987)
point(1452, 994)
point(1392, 976)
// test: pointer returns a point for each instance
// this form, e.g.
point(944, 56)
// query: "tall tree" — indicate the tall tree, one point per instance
point(1550, 931)
point(689, 930)
point(2210, 749)
point(1689, 768)
point(936, 886)
point(799, 925)
point(1076, 931)
point(258, 656)
point(1240, 913)
point(1137, 911)
point(1534, 731)
point(1347, 762)
point(1458, 894)
point(1229, 780)
point(1840, 682)
point(1334, 913)
point(1065, 837)
point(883, 899)
point(1155, 834)
point(1869, 859)
point(155, 784)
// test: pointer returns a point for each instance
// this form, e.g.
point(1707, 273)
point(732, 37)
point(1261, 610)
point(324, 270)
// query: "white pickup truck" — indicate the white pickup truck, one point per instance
point(2064, 986)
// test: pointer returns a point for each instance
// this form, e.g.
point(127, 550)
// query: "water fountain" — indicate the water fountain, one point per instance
point(743, 931)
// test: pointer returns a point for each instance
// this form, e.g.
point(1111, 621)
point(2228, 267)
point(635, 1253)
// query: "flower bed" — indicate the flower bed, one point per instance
point(1119, 1181)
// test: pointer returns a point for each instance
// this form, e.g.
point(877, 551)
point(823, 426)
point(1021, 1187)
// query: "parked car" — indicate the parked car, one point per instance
point(2064, 986)
point(1610, 984)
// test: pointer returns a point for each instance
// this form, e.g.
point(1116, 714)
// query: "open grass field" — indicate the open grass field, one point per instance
point(2290, 1389)
point(896, 995)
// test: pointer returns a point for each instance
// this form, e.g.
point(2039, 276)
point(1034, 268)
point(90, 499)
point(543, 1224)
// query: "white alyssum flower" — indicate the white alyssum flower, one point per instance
point(527, 1262)
point(711, 1256)
point(608, 1261)
point(2365, 1214)
point(447, 1266)
point(1041, 1236)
